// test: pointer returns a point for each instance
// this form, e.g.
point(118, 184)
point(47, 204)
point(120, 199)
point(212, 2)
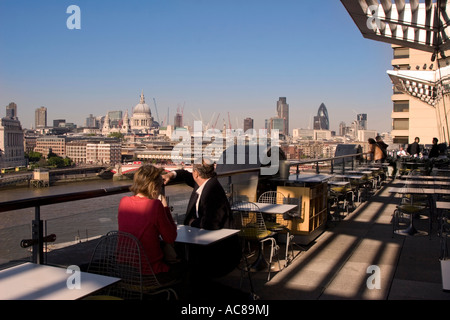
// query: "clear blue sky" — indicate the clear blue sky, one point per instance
point(236, 56)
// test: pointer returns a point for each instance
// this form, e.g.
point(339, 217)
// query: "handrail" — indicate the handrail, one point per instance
point(83, 195)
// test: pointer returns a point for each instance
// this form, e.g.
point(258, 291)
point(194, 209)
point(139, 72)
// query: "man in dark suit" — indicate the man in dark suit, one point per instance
point(208, 206)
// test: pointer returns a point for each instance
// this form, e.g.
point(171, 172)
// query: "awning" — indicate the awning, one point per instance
point(418, 25)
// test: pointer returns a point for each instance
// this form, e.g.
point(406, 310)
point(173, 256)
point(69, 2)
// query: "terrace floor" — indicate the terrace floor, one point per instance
point(339, 264)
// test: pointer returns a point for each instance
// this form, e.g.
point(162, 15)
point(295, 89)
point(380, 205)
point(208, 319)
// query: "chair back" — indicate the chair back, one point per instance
point(119, 254)
point(273, 197)
point(251, 222)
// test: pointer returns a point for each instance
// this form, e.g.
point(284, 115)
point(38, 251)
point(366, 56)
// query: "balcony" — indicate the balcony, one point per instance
point(338, 264)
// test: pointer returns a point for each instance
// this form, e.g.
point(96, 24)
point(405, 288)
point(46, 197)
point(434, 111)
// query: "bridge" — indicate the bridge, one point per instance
point(55, 175)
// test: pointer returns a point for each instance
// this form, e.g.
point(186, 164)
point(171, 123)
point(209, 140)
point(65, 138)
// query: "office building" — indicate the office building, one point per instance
point(321, 121)
point(40, 118)
point(411, 117)
point(248, 124)
point(103, 153)
point(59, 123)
point(115, 119)
point(11, 142)
point(361, 119)
point(417, 32)
point(283, 113)
point(178, 120)
point(54, 144)
point(91, 122)
point(11, 111)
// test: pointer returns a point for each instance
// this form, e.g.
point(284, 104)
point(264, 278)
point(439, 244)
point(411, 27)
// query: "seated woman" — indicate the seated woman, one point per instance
point(147, 216)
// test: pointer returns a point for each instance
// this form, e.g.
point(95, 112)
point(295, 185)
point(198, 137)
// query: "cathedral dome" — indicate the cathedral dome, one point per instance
point(142, 107)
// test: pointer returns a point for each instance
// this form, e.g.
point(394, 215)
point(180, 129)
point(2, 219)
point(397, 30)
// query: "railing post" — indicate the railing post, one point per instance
point(38, 235)
point(343, 165)
point(317, 167)
point(332, 166)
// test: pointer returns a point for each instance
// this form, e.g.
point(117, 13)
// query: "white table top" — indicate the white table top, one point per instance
point(338, 183)
point(310, 177)
point(349, 176)
point(272, 208)
point(427, 182)
point(442, 205)
point(192, 235)
point(419, 190)
point(31, 281)
point(424, 177)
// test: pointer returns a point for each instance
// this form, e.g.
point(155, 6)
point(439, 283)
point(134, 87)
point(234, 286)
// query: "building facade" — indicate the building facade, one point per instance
point(40, 118)
point(283, 113)
point(103, 153)
point(321, 121)
point(47, 144)
point(11, 143)
point(248, 124)
point(412, 117)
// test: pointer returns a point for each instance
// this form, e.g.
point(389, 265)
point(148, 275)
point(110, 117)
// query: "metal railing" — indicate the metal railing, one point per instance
point(38, 239)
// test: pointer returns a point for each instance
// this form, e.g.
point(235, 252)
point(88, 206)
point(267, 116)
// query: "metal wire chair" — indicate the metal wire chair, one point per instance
point(253, 229)
point(120, 254)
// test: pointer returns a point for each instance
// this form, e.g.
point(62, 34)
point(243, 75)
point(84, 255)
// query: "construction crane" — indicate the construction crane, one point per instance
point(157, 116)
point(215, 123)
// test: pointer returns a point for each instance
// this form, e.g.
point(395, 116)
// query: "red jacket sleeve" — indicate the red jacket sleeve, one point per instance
point(166, 225)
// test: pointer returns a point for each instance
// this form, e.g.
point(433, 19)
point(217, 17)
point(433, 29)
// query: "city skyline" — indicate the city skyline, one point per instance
point(210, 57)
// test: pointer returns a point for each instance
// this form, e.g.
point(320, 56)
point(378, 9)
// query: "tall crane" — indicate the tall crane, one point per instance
point(215, 123)
point(157, 116)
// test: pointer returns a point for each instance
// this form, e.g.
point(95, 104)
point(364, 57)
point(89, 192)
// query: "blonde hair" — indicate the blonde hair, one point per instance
point(147, 181)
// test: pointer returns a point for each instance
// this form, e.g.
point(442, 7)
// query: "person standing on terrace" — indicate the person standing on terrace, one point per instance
point(414, 149)
point(434, 152)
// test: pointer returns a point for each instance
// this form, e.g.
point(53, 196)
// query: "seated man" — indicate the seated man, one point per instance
point(208, 206)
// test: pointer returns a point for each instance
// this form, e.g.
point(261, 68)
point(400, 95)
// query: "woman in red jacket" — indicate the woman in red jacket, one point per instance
point(147, 216)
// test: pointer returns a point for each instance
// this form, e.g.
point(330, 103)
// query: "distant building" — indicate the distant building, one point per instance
point(103, 153)
point(178, 120)
point(321, 121)
point(342, 129)
point(142, 120)
point(11, 111)
point(40, 118)
point(362, 121)
point(59, 123)
point(47, 144)
point(283, 113)
point(412, 117)
point(305, 134)
point(11, 140)
point(248, 124)
point(91, 122)
point(115, 119)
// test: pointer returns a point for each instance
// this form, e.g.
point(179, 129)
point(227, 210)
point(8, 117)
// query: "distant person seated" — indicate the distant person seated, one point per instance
point(434, 152)
point(402, 152)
